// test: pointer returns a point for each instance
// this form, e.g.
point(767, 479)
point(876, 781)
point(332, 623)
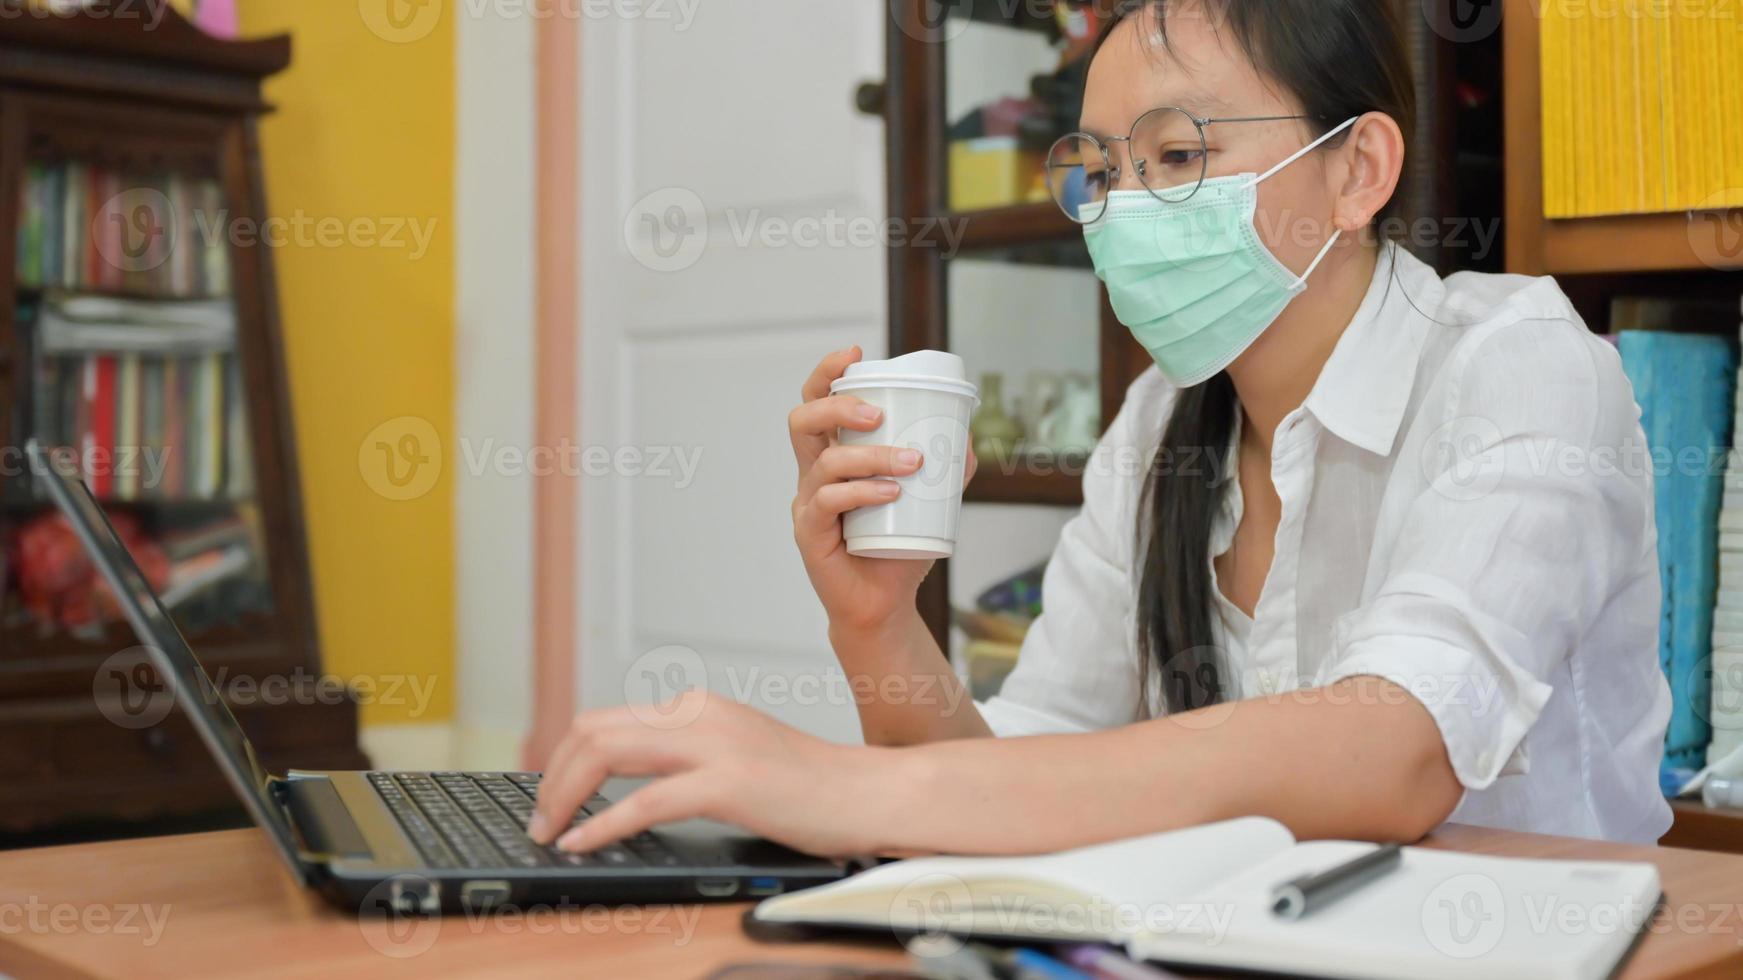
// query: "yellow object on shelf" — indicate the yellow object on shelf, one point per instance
point(991, 172)
point(1642, 107)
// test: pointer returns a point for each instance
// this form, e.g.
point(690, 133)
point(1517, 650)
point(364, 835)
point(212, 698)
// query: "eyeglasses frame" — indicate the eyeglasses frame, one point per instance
point(1114, 173)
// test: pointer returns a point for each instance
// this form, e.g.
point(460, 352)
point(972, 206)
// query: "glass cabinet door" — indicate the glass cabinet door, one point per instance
point(128, 330)
point(1021, 306)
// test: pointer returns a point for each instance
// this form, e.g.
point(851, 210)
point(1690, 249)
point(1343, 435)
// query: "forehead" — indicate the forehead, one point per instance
point(1200, 69)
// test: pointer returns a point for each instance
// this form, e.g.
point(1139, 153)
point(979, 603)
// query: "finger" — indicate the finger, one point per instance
point(812, 425)
point(602, 744)
point(822, 514)
point(840, 463)
point(558, 761)
point(827, 370)
point(675, 798)
point(973, 465)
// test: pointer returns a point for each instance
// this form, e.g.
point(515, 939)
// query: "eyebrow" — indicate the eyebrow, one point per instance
point(1204, 105)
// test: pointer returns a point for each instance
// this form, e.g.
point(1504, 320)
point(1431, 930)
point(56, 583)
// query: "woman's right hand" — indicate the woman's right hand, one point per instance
point(866, 594)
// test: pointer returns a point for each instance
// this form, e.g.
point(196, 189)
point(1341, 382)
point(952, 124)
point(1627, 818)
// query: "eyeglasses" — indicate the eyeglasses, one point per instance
point(1167, 149)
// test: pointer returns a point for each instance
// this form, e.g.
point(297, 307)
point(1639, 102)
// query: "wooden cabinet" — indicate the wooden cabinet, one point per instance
point(1006, 283)
point(139, 325)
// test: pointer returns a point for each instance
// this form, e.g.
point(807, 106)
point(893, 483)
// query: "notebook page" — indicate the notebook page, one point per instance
point(1440, 914)
point(1142, 876)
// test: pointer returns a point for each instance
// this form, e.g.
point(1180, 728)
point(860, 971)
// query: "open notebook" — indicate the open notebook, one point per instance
point(1202, 897)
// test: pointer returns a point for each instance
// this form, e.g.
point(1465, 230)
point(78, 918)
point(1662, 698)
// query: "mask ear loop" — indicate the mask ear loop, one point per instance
point(1298, 154)
point(1333, 240)
point(1304, 151)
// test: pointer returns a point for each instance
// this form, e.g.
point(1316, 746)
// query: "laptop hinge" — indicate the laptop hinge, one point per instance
point(320, 817)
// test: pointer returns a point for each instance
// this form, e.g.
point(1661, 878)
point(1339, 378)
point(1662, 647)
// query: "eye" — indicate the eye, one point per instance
point(1183, 157)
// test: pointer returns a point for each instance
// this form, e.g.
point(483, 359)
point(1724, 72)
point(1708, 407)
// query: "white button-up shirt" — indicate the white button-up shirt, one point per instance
point(1467, 512)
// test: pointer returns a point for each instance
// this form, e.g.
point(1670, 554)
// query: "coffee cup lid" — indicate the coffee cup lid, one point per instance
point(934, 370)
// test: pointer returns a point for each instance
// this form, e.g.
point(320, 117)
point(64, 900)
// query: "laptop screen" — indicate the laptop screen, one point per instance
point(170, 654)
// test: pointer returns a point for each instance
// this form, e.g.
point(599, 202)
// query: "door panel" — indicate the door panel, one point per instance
point(728, 190)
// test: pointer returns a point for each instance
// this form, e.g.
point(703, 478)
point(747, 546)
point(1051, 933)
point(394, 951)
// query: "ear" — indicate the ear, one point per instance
point(1373, 162)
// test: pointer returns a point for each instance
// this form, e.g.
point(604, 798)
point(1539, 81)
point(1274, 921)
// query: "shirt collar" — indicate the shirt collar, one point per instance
point(1364, 388)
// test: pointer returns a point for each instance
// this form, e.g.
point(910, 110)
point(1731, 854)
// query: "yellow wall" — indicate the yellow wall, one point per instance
point(364, 134)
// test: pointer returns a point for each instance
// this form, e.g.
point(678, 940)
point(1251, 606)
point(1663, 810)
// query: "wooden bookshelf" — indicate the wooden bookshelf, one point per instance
point(1675, 241)
point(129, 91)
point(1019, 224)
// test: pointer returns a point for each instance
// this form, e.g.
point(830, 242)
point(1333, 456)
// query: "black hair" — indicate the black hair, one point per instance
point(1339, 59)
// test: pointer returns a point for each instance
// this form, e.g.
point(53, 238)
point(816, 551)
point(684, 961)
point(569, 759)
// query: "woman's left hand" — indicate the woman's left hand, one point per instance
point(717, 759)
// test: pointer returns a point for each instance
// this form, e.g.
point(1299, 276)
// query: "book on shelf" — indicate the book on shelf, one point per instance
point(1640, 103)
point(148, 391)
point(1685, 385)
point(93, 228)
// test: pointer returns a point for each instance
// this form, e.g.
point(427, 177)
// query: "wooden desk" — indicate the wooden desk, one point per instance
point(223, 906)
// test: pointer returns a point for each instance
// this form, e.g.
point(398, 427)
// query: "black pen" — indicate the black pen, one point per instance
point(1308, 893)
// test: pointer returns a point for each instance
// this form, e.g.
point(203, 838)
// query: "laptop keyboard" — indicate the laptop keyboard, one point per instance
point(478, 820)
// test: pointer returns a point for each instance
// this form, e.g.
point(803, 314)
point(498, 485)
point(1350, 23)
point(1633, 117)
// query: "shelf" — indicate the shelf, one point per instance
point(1682, 241)
point(32, 291)
point(1056, 483)
point(1676, 241)
point(1019, 224)
point(1704, 829)
point(190, 506)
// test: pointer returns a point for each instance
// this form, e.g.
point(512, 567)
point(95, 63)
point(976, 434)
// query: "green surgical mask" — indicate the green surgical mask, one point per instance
point(1192, 280)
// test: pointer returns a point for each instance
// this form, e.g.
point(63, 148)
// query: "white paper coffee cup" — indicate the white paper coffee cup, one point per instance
point(927, 402)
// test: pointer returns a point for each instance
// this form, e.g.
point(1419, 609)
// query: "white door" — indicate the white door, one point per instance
point(732, 204)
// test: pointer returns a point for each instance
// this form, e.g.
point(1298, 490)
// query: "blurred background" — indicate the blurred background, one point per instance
point(434, 355)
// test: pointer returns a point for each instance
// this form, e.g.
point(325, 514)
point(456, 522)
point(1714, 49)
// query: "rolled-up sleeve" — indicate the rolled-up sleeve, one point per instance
point(1535, 496)
point(1077, 670)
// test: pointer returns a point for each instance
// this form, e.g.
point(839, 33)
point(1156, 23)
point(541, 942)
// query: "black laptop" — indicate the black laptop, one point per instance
point(413, 842)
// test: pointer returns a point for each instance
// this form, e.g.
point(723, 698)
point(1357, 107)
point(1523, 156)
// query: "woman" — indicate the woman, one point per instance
point(1418, 593)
